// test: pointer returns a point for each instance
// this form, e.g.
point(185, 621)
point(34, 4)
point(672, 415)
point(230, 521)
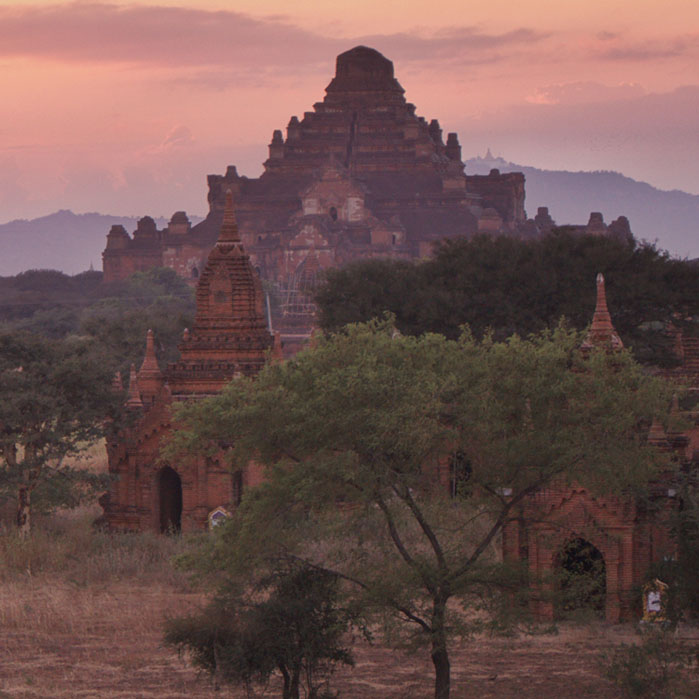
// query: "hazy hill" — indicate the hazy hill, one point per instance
point(72, 242)
point(670, 217)
point(62, 240)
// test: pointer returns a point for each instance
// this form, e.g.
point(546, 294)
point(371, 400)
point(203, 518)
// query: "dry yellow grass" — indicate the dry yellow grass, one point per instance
point(87, 622)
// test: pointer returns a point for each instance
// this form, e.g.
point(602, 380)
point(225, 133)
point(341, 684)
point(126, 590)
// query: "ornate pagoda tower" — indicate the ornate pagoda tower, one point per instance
point(618, 532)
point(229, 339)
point(358, 175)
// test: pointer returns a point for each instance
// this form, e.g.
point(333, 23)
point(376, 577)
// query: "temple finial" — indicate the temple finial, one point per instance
point(117, 384)
point(229, 228)
point(134, 398)
point(150, 378)
point(150, 362)
point(277, 350)
point(602, 332)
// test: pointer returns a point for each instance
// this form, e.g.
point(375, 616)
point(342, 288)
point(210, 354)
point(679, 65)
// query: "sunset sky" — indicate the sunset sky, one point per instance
point(124, 107)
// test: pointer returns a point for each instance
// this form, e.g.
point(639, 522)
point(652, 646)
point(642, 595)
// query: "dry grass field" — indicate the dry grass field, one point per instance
point(81, 616)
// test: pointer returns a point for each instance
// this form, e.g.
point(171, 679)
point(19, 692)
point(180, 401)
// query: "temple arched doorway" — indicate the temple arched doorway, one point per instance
point(581, 579)
point(169, 500)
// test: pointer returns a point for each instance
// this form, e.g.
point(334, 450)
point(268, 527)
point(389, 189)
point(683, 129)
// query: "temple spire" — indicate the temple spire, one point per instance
point(602, 332)
point(150, 378)
point(134, 397)
point(229, 228)
point(150, 363)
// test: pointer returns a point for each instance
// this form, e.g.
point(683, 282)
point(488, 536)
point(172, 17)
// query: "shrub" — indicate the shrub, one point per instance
point(654, 668)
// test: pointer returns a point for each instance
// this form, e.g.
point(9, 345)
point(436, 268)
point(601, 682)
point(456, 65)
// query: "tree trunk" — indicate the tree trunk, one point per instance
point(23, 511)
point(291, 681)
point(287, 681)
point(440, 655)
point(295, 683)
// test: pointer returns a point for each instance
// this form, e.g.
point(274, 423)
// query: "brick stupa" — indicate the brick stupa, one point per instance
point(229, 339)
point(602, 333)
point(230, 336)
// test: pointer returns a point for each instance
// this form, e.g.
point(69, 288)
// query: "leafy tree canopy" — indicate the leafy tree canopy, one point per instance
point(357, 435)
point(54, 305)
point(515, 286)
point(157, 299)
point(291, 621)
point(56, 399)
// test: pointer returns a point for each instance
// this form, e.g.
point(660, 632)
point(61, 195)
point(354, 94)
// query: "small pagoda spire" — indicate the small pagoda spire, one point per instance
point(527, 420)
point(134, 397)
point(675, 405)
point(150, 363)
point(602, 332)
point(675, 417)
point(150, 378)
point(165, 394)
point(229, 228)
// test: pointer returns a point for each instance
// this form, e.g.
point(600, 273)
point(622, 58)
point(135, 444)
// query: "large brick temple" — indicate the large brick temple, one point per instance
point(360, 175)
point(230, 338)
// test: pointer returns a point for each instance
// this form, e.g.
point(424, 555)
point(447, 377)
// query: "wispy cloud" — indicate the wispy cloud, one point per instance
point(616, 48)
point(103, 32)
point(584, 93)
point(176, 36)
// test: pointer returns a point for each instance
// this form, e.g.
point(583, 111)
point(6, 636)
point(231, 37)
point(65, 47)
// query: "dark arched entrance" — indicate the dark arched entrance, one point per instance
point(169, 500)
point(581, 577)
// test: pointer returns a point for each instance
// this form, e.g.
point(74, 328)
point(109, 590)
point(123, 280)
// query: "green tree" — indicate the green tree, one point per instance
point(55, 401)
point(157, 299)
point(117, 315)
point(683, 522)
point(356, 435)
point(293, 623)
point(523, 286)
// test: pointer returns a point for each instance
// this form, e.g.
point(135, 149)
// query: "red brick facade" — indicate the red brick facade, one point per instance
point(229, 339)
point(629, 537)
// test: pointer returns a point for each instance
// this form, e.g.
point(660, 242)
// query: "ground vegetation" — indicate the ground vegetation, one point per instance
point(81, 612)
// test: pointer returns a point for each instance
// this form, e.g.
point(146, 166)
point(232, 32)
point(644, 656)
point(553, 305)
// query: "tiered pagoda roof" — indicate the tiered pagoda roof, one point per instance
point(230, 336)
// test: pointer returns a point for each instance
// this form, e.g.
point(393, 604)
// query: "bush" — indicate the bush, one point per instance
point(293, 624)
point(657, 667)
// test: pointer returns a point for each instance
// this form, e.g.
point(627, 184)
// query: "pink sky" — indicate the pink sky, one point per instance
point(125, 107)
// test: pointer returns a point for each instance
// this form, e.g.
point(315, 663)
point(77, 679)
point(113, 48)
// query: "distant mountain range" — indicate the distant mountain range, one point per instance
point(671, 218)
point(74, 242)
point(63, 240)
